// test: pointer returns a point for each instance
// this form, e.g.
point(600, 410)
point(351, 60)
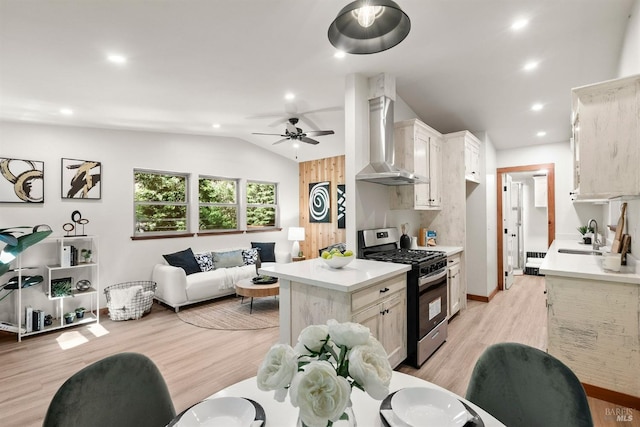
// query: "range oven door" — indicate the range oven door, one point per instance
point(432, 297)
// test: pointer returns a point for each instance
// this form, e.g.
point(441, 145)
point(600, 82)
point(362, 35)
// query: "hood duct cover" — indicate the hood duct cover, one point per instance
point(381, 168)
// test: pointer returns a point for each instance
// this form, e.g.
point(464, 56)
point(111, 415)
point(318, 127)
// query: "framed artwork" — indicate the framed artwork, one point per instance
point(319, 202)
point(341, 204)
point(61, 287)
point(81, 179)
point(21, 181)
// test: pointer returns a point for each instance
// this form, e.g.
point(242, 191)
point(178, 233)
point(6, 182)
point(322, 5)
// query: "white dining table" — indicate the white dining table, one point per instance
point(366, 409)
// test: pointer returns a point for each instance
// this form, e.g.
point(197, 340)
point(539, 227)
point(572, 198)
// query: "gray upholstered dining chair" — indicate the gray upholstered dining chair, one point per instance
point(123, 390)
point(523, 386)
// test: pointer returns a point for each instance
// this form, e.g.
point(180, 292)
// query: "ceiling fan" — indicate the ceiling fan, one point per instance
point(296, 134)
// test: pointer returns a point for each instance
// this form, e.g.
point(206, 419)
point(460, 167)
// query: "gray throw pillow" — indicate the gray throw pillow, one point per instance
point(228, 259)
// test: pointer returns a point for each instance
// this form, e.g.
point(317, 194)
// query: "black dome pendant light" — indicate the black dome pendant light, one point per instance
point(369, 26)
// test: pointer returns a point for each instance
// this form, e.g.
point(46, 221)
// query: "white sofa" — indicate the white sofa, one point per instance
point(177, 289)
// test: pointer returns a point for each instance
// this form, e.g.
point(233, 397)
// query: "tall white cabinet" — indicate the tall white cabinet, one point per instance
point(418, 149)
point(606, 130)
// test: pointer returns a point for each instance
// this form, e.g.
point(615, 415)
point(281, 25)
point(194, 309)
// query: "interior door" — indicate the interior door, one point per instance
point(508, 242)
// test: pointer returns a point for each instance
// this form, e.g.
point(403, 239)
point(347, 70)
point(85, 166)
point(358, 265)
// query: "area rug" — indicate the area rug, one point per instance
point(230, 314)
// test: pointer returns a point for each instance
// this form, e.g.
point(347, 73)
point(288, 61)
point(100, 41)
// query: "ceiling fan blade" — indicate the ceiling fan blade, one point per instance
point(281, 140)
point(319, 132)
point(271, 134)
point(309, 140)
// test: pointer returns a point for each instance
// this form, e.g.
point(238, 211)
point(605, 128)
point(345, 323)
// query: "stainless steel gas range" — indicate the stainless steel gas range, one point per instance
point(426, 289)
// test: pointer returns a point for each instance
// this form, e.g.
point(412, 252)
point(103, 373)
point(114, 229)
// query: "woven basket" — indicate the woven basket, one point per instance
point(140, 304)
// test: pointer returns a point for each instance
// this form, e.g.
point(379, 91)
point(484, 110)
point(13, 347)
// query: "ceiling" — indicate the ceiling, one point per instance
point(192, 63)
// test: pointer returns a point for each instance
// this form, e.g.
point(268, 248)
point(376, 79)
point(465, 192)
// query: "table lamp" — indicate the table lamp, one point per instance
point(296, 234)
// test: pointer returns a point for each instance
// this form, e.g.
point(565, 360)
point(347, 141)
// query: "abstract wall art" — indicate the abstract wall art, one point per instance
point(21, 181)
point(319, 202)
point(81, 179)
point(341, 204)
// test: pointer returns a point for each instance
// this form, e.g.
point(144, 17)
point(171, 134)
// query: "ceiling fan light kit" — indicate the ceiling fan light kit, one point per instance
point(297, 134)
point(369, 26)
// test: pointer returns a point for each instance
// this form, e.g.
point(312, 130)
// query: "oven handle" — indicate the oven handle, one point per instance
point(428, 279)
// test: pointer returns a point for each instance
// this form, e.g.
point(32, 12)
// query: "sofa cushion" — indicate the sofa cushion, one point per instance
point(205, 261)
point(228, 259)
point(250, 256)
point(185, 260)
point(266, 251)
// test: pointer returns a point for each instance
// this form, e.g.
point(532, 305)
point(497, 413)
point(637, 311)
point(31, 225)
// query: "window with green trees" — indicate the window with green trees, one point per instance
point(160, 202)
point(262, 204)
point(218, 199)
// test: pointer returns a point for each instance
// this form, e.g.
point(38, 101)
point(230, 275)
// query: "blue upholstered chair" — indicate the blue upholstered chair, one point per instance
point(123, 390)
point(523, 386)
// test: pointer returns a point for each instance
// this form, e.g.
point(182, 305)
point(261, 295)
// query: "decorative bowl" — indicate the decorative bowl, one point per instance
point(83, 285)
point(338, 261)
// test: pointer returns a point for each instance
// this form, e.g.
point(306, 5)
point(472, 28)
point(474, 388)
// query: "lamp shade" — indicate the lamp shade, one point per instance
point(296, 233)
point(369, 26)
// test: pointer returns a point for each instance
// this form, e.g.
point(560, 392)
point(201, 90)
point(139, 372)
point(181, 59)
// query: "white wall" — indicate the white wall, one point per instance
point(111, 218)
point(630, 65)
point(534, 220)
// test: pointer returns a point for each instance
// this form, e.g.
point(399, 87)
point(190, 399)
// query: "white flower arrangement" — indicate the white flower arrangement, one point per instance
point(320, 371)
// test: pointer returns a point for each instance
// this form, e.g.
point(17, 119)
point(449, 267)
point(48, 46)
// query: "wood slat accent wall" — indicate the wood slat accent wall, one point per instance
point(320, 235)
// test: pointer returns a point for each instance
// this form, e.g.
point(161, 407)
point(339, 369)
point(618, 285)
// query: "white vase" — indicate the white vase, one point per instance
point(350, 421)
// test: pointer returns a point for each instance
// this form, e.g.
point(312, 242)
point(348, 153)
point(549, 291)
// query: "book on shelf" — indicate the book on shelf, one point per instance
point(38, 320)
point(65, 259)
point(10, 327)
point(28, 318)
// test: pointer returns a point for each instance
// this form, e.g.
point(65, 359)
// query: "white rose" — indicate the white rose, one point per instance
point(277, 370)
point(312, 337)
point(369, 366)
point(320, 394)
point(348, 333)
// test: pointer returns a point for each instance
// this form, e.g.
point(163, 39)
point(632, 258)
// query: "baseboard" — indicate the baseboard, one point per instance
point(616, 397)
point(483, 298)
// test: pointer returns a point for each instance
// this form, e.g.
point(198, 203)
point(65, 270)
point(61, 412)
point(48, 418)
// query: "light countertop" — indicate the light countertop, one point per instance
point(583, 266)
point(450, 250)
point(358, 274)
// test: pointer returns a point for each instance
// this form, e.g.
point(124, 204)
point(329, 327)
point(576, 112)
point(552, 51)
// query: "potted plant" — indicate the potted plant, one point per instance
point(86, 254)
point(69, 317)
point(80, 312)
point(61, 287)
point(583, 229)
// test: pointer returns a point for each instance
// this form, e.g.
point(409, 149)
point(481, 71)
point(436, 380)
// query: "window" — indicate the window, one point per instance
point(262, 205)
point(160, 202)
point(218, 203)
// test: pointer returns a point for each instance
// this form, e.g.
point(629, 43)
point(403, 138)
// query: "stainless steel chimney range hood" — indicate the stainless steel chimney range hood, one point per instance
point(381, 168)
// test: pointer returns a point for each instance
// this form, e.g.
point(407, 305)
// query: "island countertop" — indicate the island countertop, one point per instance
point(358, 274)
point(584, 266)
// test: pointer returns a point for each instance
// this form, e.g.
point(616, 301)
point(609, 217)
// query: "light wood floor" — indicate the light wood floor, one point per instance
point(197, 362)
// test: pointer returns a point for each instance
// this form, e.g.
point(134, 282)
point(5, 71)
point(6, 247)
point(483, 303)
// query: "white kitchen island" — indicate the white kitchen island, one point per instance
point(592, 321)
point(372, 293)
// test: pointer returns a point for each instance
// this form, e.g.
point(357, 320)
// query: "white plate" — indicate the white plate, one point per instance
point(425, 407)
point(222, 411)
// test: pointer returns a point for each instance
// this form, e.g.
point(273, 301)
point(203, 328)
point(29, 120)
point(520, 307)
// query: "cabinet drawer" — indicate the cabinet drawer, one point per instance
point(377, 292)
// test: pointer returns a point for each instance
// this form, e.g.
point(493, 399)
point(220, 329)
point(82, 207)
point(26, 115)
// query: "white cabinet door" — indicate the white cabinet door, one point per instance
point(435, 171)
point(393, 328)
point(454, 288)
point(421, 166)
point(472, 160)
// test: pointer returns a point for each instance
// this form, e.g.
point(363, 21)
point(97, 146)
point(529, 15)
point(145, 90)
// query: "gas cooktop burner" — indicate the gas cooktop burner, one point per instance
point(406, 256)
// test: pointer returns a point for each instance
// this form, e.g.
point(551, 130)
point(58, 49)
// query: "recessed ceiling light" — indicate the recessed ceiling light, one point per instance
point(537, 107)
point(339, 54)
point(117, 59)
point(66, 111)
point(532, 65)
point(541, 133)
point(216, 125)
point(289, 96)
point(519, 24)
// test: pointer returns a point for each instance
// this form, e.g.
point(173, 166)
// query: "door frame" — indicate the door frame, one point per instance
point(551, 208)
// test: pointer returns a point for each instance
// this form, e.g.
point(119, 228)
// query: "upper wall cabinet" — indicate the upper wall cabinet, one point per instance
point(471, 158)
point(606, 138)
point(420, 145)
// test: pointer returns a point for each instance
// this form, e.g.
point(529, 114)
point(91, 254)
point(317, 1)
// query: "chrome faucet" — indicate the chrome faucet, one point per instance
point(595, 234)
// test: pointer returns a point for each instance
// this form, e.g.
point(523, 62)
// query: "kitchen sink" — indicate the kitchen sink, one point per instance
point(578, 252)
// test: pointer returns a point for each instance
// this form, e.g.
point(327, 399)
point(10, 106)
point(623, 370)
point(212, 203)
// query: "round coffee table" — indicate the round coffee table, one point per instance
point(246, 288)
